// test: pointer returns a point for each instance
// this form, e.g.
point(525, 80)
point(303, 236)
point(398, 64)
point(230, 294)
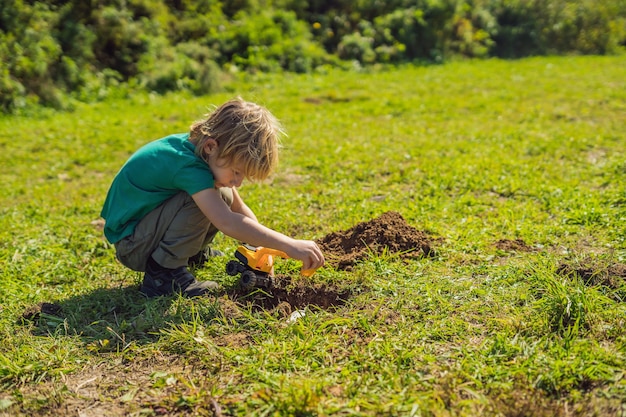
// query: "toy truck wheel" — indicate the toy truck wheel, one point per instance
point(248, 279)
point(266, 281)
point(232, 268)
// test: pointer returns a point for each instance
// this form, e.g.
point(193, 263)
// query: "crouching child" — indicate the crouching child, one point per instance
point(173, 195)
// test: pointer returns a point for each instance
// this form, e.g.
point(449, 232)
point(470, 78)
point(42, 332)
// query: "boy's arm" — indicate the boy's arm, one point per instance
point(247, 229)
point(239, 206)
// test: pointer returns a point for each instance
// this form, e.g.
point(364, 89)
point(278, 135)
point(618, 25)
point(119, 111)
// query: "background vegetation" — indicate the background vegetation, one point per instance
point(527, 152)
point(55, 52)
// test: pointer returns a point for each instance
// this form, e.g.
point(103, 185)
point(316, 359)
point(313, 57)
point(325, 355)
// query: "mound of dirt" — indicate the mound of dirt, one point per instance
point(593, 273)
point(388, 232)
point(33, 313)
point(517, 245)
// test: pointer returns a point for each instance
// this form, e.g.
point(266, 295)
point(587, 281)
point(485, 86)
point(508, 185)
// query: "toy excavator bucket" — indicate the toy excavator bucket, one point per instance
point(308, 272)
point(264, 261)
point(264, 257)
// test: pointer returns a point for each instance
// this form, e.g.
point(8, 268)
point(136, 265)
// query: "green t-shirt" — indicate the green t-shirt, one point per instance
point(153, 174)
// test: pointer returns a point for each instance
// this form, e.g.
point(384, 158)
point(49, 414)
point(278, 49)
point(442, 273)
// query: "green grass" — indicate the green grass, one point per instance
point(472, 152)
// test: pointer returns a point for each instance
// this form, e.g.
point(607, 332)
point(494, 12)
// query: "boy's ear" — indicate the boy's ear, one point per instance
point(210, 146)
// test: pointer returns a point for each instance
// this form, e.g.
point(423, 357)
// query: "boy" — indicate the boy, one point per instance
point(173, 195)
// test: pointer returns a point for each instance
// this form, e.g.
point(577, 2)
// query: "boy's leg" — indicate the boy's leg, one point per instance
point(188, 235)
point(171, 233)
point(183, 237)
point(135, 250)
point(162, 244)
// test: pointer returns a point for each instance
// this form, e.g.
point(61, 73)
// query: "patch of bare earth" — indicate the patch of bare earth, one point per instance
point(34, 312)
point(155, 386)
point(288, 295)
point(596, 273)
point(513, 245)
point(389, 232)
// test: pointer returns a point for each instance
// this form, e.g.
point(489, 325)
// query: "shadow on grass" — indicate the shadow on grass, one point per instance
point(111, 319)
point(106, 318)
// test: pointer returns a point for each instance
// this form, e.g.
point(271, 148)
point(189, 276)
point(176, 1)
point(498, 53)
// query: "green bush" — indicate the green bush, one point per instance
point(28, 54)
point(53, 50)
point(357, 47)
point(534, 27)
point(11, 90)
point(188, 66)
point(420, 33)
point(271, 41)
point(472, 31)
point(583, 26)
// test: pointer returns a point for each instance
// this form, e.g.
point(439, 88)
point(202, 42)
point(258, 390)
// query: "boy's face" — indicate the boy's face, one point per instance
point(226, 174)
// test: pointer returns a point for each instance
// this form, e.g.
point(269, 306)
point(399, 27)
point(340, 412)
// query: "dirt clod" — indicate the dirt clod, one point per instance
point(388, 232)
point(594, 273)
point(32, 313)
point(516, 245)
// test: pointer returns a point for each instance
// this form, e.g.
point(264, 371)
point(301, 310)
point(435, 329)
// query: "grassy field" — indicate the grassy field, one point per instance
point(516, 170)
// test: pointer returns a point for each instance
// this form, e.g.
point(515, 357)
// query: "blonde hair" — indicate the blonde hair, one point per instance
point(246, 134)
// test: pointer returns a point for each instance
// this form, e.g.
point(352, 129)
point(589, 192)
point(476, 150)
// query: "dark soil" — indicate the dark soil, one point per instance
point(33, 313)
point(517, 245)
point(388, 232)
point(594, 273)
point(287, 295)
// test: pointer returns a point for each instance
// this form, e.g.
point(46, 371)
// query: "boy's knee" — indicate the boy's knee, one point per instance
point(127, 254)
point(227, 195)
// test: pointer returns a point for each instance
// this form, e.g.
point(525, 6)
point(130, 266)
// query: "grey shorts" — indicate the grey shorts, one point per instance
point(171, 233)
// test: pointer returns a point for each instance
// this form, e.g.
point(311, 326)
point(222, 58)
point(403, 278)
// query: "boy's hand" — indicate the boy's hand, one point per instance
point(308, 252)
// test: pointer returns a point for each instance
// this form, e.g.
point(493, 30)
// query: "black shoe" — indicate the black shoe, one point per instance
point(201, 257)
point(159, 281)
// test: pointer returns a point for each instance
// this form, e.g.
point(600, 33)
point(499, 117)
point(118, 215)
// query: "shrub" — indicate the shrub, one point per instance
point(471, 33)
point(187, 66)
point(358, 47)
point(29, 53)
point(120, 40)
point(11, 91)
point(583, 26)
point(410, 29)
point(87, 49)
point(534, 27)
point(270, 41)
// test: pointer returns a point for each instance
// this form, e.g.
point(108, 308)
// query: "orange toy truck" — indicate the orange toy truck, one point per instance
point(256, 266)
